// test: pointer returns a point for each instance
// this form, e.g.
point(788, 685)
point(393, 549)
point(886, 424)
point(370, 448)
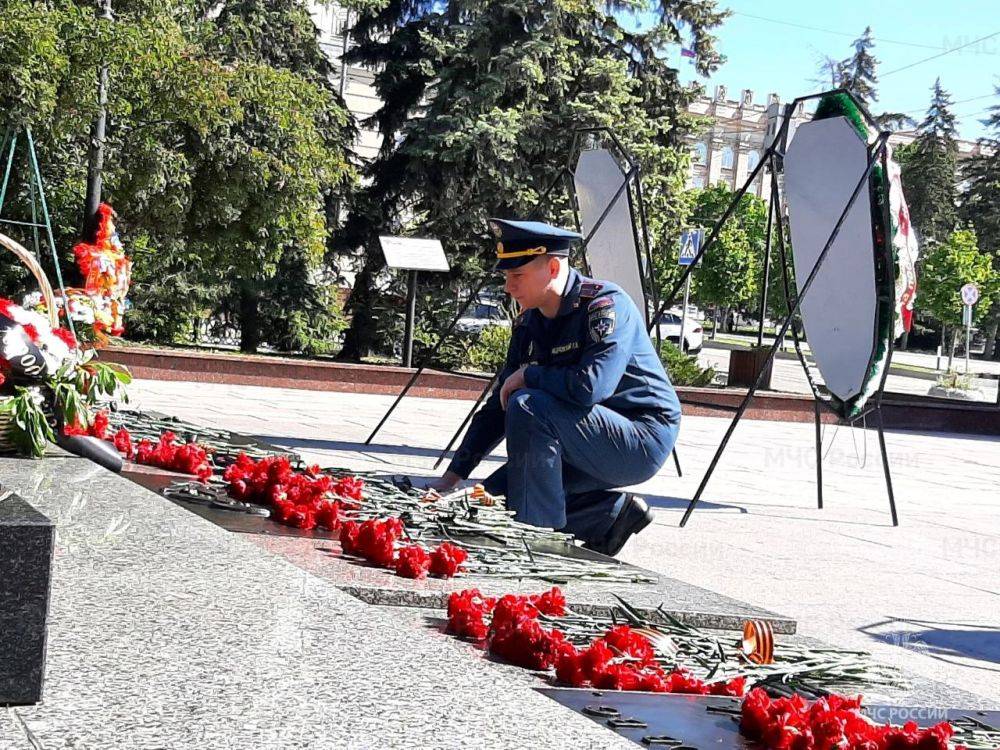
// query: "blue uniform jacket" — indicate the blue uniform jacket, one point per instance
point(595, 351)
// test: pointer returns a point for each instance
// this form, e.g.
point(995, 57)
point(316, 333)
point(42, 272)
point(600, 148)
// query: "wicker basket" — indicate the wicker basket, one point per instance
point(7, 446)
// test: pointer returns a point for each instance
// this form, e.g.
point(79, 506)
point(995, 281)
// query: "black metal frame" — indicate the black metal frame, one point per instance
point(877, 154)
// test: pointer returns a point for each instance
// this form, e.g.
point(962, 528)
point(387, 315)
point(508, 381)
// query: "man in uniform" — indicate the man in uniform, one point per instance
point(583, 399)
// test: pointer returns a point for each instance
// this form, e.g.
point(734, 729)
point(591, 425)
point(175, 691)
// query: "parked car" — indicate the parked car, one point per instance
point(669, 325)
point(481, 315)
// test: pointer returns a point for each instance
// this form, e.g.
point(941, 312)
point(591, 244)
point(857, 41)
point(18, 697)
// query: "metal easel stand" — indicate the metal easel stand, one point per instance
point(643, 245)
point(37, 200)
point(876, 154)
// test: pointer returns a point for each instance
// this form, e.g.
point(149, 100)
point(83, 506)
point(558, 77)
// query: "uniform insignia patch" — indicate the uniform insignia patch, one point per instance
point(590, 288)
point(600, 302)
point(601, 325)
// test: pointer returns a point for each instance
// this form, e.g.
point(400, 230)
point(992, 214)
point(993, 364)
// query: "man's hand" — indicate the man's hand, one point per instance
point(513, 383)
point(446, 483)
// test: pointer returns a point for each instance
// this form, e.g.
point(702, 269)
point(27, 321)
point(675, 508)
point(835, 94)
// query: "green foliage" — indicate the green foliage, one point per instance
point(859, 74)
point(480, 103)
point(731, 271)
point(947, 268)
point(929, 167)
point(684, 369)
point(489, 351)
point(32, 431)
point(981, 198)
point(226, 147)
point(980, 207)
point(70, 394)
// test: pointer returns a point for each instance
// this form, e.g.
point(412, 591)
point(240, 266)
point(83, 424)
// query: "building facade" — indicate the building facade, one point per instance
point(356, 84)
point(740, 132)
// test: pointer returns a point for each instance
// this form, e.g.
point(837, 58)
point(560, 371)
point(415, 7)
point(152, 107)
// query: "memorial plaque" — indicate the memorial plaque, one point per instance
point(414, 253)
point(26, 542)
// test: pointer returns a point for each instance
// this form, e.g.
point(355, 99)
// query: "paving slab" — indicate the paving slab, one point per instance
point(169, 632)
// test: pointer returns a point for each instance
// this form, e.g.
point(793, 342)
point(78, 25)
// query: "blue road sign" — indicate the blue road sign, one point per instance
point(691, 240)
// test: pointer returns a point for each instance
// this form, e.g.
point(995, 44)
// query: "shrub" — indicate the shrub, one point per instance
point(684, 369)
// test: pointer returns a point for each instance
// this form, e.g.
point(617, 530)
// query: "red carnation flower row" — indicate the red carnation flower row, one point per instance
point(375, 540)
point(833, 721)
point(622, 659)
point(304, 500)
point(166, 453)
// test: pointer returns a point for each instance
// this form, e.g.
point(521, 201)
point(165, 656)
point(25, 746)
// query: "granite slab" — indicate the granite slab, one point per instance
point(12, 736)
point(169, 632)
point(688, 603)
point(26, 538)
point(318, 551)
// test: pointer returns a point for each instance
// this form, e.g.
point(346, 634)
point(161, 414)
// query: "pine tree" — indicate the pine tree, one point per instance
point(930, 169)
point(859, 75)
point(480, 103)
point(980, 207)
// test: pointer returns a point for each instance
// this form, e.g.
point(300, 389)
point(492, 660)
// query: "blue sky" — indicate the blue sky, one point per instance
point(770, 55)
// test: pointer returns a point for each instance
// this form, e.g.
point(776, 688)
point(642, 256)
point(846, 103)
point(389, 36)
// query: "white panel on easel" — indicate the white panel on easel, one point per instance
point(823, 165)
point(611, 252)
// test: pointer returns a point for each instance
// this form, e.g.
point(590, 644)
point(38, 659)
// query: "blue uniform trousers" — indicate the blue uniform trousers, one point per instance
point(563, 460)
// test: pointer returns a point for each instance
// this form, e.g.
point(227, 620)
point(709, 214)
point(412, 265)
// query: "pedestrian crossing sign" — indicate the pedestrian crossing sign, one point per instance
point(690, 245)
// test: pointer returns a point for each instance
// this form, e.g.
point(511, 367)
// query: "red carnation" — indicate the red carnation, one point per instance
point(123, 442)
point(551, 603)
point(569, 666)
point(328, 516)
point(735, 687)
point(412, 562)
point(100, 427)
point(467, 611)
point(75, 429)
point(446, 560)
point(349, 531)
point(626, 642)
point(617, 677)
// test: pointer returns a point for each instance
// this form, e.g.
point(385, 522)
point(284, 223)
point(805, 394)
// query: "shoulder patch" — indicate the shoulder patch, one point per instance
point(590, 289)
point(601, 324)
point(601, 302)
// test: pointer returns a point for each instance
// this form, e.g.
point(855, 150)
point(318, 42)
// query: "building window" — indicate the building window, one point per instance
point(697, 181)
point(700, 153)
point(727, 158)
point(753, 159)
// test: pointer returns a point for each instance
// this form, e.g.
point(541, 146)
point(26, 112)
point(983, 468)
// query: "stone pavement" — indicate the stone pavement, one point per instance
point(924, 596)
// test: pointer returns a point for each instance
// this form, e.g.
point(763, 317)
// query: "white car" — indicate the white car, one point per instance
point(670, 330)
point(481, 315)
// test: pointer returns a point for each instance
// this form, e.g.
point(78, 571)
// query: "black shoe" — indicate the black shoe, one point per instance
point(634, 516)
